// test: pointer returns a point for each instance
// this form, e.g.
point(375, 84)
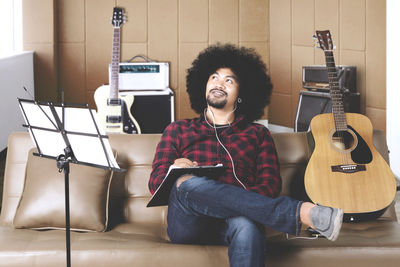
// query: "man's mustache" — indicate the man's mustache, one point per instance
point(216, 89)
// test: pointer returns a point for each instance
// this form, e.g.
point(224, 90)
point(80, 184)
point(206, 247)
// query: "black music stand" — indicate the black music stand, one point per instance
point(67, 133)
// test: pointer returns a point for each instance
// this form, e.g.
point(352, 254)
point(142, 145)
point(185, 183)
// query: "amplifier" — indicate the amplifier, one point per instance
point(312, 103)
point(153, 110)
point(316, 77)
point(142, 76)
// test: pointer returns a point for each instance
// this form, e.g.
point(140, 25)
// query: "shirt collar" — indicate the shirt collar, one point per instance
point(237, 124)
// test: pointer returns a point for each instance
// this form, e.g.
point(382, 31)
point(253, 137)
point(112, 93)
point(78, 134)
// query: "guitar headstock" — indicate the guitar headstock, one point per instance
point(118, 17)
point(324, 39)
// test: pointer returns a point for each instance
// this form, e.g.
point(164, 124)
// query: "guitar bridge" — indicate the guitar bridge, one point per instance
point(113, 119)
point(348, 168)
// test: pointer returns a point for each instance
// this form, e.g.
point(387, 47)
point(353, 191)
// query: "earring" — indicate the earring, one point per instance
point(239, 100)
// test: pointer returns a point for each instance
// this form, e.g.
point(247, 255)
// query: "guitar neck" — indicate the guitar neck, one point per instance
point(335, 92)
point(115, 64)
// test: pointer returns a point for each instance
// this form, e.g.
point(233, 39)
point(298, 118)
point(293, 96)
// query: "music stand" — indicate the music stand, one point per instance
point(67, 133)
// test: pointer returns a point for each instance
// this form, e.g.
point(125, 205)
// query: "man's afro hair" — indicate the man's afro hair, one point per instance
point(254, 84)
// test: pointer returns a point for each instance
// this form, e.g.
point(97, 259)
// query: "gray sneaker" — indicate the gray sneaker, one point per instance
point(327, 221)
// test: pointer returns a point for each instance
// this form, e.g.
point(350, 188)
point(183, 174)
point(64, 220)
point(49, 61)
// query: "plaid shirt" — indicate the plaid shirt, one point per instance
point(250, 145)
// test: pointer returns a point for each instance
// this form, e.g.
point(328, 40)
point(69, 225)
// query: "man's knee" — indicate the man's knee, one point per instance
point(182, 179)
point(245, 230)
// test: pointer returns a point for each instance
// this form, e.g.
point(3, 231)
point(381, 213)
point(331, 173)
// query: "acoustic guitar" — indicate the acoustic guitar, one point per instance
point(113, 110)
point(345, 170)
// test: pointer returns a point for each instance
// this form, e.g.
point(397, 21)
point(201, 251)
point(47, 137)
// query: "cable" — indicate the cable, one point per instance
point(301, 237)
point(219, 141)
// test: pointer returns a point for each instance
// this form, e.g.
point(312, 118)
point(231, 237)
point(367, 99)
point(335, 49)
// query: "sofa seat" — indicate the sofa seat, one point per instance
point(140, 245)
point(135, 246)
point(136, 235)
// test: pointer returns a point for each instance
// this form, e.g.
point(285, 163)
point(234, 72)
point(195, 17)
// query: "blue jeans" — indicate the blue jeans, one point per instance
point(204, 211)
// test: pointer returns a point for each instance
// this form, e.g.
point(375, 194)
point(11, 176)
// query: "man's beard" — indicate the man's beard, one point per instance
point(216, 102)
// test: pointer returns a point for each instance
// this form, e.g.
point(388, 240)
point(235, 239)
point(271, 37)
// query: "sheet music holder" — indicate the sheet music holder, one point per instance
point(67, 133)
point(161, 196)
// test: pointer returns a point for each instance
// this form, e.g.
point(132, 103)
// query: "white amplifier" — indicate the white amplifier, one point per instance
point(143, 76)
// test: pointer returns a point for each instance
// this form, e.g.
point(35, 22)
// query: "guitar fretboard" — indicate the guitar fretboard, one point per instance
point(115, 64)
point(335, 92)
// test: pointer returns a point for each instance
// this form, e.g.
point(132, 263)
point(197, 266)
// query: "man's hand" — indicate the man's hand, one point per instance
point(184, 163)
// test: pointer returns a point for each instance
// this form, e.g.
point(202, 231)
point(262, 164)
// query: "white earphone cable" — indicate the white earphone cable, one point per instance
point(219, 141)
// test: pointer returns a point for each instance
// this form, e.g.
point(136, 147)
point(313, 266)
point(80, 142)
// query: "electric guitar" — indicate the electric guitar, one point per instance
point(345, 170)
point(113, 110)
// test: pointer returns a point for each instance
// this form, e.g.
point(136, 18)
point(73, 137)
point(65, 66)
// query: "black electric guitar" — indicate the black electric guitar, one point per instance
point(345, 170)
point(113, 110)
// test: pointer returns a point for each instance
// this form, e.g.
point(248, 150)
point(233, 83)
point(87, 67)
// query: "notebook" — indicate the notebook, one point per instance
point(161, 196)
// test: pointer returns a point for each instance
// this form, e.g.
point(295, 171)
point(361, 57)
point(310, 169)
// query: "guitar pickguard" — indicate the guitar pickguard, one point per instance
point(361, 154)
point(114, 115)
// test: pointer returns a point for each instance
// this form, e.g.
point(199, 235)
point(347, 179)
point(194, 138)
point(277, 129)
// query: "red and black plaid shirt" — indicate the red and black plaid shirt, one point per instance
point(250, 145)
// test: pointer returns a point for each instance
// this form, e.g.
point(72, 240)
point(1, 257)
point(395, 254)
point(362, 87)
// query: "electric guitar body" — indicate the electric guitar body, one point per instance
point(345, 170)
point(113, 113)
point(113, 110)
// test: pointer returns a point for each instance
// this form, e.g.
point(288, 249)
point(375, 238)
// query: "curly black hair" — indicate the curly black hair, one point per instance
point(255, 86)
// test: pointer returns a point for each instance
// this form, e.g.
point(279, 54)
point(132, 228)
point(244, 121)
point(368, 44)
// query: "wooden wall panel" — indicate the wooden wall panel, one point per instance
point(72, 78)
point(303, 22)
point(376, 54)
point(38, 21)
point(358, 32)
point(71, 21)
point(224, 17)
point(99, 35)
point(163, 34)
point(280, 47)
point(72, 41)
point(187, 52)
point(39, 35)
point(135, 28)
point(357, 58)
point(301, 56)
point(327, 18)
point(254, 20)
point(352, 24)
point(193, 21)
point(280, 109)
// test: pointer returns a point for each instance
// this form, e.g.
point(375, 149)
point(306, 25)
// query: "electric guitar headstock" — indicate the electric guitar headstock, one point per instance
point(118, 17)
point(324, 40)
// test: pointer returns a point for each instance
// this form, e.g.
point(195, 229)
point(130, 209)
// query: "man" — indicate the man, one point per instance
point(229, 88)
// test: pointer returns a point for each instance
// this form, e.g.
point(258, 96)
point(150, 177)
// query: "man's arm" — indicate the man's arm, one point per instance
point(268, 181)
point(166, 154)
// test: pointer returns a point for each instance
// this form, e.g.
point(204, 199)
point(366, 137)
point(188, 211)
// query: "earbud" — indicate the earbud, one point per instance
point(239, 100)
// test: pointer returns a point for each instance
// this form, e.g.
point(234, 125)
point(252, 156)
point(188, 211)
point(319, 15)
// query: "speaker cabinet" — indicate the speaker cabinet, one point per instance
point(316, 77)
point(312, 103)
point(153, 110)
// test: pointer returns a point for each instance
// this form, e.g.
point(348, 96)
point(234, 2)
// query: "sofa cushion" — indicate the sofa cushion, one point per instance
point(42, 204)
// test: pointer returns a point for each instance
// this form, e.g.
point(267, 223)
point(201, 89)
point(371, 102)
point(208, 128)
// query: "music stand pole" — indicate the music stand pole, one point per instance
point(63, 165)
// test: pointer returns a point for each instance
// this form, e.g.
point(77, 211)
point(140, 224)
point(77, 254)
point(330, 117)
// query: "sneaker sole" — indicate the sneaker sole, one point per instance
point(337, 225)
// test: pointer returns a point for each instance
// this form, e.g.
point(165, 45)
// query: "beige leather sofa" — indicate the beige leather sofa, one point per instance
point(136, 235)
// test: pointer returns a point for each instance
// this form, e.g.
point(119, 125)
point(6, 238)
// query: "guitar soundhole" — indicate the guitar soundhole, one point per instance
point(343, 140)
